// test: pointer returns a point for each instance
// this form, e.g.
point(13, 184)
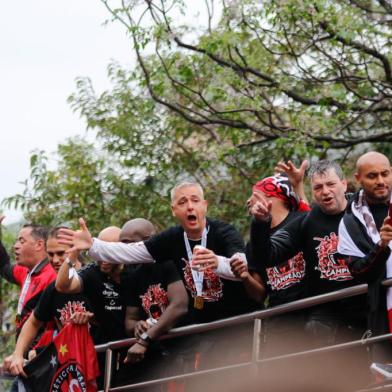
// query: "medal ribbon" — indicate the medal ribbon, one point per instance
point(197, 276)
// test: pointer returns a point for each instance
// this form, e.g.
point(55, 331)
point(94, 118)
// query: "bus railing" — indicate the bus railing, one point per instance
point(256, 317)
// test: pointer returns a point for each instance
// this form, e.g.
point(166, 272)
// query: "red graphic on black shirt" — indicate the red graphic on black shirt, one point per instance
point(212, 285)
point(330, 268)
point(155, 301)
point(285, 275)
point(69, 309)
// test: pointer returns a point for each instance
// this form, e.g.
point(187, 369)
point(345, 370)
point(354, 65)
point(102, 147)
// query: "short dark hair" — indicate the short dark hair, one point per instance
point(321, 168)
point(37, 231)
point(53, 232)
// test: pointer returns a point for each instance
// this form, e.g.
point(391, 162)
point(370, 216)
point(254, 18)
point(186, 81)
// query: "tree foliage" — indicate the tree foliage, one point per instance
point(315, 71)
point(219, 98)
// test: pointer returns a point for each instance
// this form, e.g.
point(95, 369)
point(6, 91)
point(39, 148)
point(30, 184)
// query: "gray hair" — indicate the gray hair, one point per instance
point(38, 232)
point(184, 184)
point(322, 167)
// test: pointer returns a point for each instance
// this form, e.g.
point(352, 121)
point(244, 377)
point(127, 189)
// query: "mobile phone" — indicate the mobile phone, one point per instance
point(390, 211)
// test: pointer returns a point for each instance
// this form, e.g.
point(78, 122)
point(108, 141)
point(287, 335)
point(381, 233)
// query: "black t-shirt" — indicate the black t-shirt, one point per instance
point(379, 212)
point(146, 288)
point(285, 279)
point(55, 305)
point(107, 302)
point(223, 298)
point(316, 235)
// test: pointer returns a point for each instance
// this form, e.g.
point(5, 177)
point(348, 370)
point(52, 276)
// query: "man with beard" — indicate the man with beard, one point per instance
point(364, 235)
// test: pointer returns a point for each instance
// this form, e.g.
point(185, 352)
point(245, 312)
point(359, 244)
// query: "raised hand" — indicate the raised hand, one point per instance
point(78, 240)
point(386, 232)
point(261, 208)
point(294, 174)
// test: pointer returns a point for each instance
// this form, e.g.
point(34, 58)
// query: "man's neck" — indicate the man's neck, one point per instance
point(33, 265)
point(278, 216)
point(195, 235)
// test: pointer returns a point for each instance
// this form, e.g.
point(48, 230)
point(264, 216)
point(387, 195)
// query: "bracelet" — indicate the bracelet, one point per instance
point(70, 263)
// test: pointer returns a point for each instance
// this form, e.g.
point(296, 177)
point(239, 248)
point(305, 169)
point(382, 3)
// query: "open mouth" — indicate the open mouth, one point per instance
point(191, 218)
point(327, 200)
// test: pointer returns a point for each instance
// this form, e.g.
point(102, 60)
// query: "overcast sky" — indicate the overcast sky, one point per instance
point(45, 45)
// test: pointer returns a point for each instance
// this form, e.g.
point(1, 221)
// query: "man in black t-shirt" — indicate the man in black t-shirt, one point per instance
point(156, 300)
point(154, 295)
point(216, 293)
point(364, 234)
point(100, 283)
point(315, 234)
point(284, 282)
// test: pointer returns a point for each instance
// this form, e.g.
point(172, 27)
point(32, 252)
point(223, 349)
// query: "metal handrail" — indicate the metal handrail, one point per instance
point(243, 318)
point(232, 321)
point(355, 343)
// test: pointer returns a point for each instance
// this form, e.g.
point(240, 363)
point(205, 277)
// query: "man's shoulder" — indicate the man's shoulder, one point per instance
point(89, 269)
point(50, 289)
point(219, 225)
point(169, 233)
point(46, 272)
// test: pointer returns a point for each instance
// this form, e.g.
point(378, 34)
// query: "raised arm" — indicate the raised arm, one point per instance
point(111, 252)
point(295, 175)
point(5, 265)
point(266, 250)
point(68, 280)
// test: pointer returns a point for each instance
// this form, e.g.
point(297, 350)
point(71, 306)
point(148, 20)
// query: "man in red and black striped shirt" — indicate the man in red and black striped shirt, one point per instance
point(32, 271)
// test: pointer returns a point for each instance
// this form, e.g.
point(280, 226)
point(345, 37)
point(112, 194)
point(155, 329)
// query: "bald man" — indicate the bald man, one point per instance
point(100, 282)
point(365, 233)
point(156, 300)
point(136, 230)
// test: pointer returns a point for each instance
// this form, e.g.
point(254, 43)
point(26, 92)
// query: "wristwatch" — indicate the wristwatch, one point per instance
point(70, 263)
point(144, 339)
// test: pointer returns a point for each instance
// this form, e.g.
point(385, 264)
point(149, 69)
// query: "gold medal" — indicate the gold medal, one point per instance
point(198, 302)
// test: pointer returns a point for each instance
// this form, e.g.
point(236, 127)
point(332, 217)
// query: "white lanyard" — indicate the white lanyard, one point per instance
point(197, 276)
point(25, 288)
